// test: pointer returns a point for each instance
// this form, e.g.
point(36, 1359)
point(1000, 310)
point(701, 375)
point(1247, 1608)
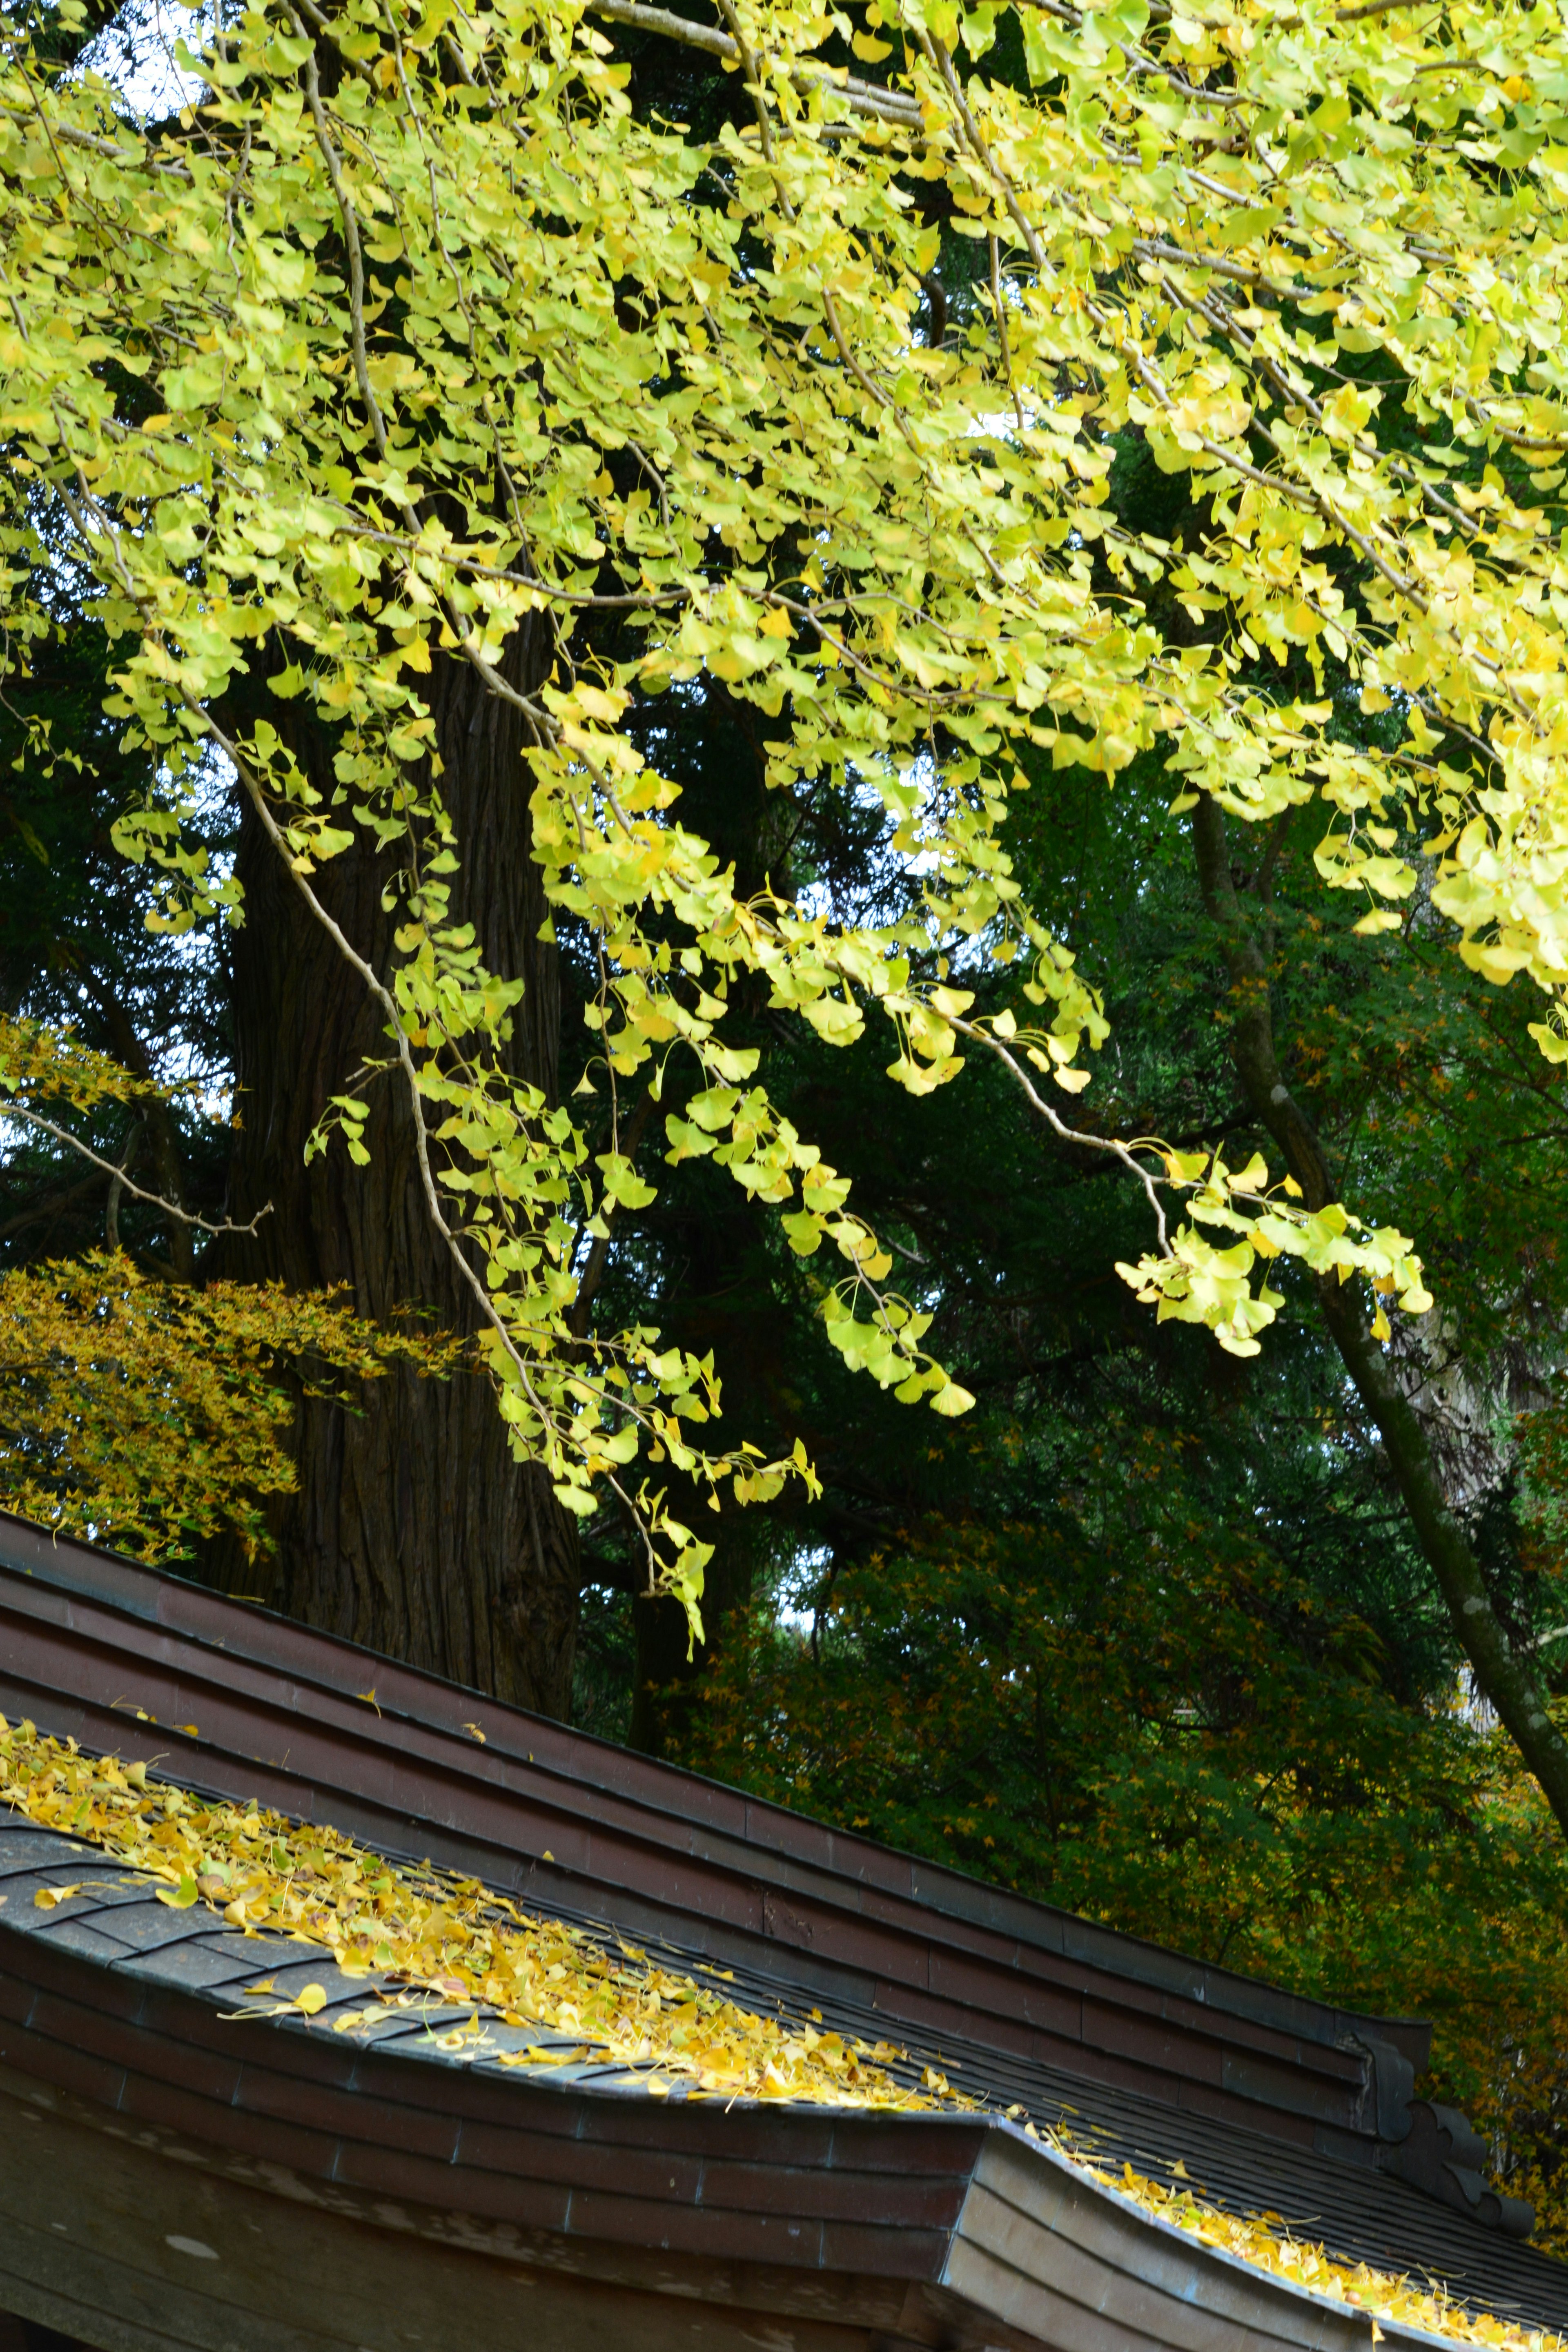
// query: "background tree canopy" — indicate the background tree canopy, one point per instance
point(577, 577)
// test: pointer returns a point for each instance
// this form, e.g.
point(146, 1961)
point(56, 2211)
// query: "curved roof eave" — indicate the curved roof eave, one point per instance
point(905, 2229)
point(178, 2178)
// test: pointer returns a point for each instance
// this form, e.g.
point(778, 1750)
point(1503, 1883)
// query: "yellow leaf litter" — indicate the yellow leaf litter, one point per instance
point(458, 1939)
point(1267, 2241)
point(445, 1934)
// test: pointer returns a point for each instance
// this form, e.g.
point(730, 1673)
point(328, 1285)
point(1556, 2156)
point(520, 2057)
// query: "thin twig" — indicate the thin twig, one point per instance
point(1066, 1134)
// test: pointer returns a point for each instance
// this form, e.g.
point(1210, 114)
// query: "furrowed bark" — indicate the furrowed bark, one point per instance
point(1505, 1679)
point(413, 1528)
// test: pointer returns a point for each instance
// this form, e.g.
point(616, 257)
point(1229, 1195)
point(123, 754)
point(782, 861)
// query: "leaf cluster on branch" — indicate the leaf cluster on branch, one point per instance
point(414, 338)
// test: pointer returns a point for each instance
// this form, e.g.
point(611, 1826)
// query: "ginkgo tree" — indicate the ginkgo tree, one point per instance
point(413, 370)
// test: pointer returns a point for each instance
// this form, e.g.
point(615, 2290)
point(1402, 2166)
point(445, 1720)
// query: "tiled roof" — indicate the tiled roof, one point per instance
point(1268, 2103)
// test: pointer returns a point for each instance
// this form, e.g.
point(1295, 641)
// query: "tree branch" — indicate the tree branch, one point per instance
point(1504, 1677)
point(49, 1206)
point(860, 97)
point(112, 1169)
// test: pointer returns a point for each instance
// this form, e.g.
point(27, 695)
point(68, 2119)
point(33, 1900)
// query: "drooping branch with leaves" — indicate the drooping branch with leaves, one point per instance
point(413, 350)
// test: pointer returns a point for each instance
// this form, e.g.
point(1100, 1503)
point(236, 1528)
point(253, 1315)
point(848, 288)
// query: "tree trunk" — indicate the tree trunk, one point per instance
point(413, 1529)
point(1507, 1681)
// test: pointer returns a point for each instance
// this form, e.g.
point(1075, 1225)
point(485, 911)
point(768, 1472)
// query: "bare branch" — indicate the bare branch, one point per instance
point(860, 97)
point(1126, 1153)
point(112, 1169)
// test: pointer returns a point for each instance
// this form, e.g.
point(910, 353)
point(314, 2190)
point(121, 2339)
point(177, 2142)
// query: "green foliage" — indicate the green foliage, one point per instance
point(76, 954)
point(417, 336)
point(1147, 1635)
point(1151, 1722)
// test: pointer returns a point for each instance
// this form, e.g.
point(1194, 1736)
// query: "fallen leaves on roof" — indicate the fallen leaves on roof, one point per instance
point(596, 1997)
point(1267, 2241)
